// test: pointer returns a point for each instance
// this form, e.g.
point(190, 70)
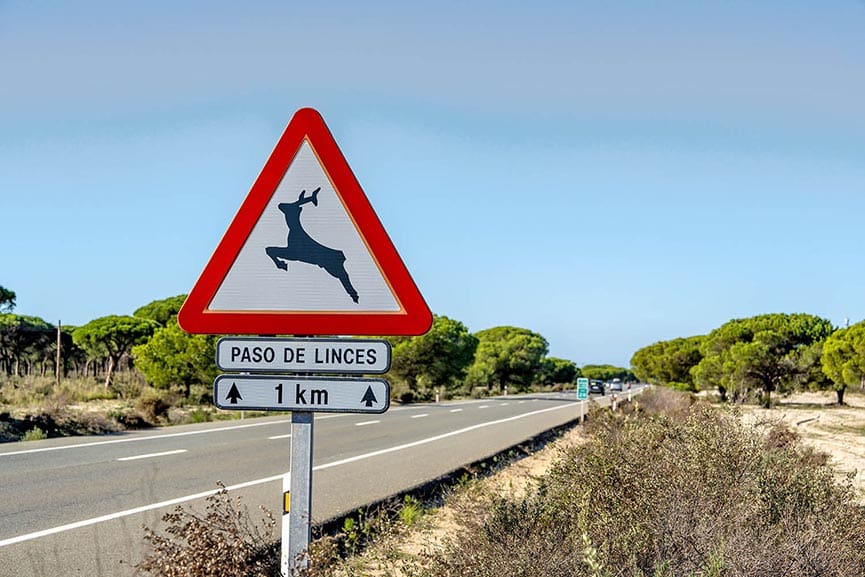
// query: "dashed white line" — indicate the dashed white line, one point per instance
point(363, 423)
point(184, 499)
point(420, 416)
point(150, 455)
point(504, 404)
point(484, 407)
point(279, 437)
point(456, 410)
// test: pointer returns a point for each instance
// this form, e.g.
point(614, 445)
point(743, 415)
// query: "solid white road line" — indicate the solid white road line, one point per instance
point(126, 513)
point(148, 438)
point(364, 423)
point(178, 500)
point(149, 455)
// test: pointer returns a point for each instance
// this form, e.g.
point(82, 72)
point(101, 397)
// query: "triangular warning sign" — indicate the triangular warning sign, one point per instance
point(306, 253)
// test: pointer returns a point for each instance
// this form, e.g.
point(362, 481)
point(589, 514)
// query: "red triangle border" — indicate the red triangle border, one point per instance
point(414, 316)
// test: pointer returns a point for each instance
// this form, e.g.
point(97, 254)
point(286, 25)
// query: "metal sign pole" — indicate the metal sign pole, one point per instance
point(296, 533)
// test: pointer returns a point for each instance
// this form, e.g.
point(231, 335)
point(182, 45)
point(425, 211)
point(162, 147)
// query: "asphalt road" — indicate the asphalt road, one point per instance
point(76, 506)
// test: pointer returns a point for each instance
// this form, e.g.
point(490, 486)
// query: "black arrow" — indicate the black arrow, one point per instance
point(369, 397)
point(233, 394)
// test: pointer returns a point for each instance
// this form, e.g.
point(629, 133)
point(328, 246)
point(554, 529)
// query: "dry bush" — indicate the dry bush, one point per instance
point(154, 405)
point(222, 542)
point(695, 495)
point(662, 401)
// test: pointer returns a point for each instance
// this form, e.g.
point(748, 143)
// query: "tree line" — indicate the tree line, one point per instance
point(449, 360)
point(758, 356)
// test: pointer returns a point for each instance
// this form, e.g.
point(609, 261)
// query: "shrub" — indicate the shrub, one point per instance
point(694, 494)
point(153, 406)
point(223, 542)
point(34, 434)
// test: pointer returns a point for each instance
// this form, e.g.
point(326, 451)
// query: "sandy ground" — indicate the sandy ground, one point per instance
point(821, 423)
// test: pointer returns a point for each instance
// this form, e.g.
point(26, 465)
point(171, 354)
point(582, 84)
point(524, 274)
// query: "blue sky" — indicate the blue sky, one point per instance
point(608, 174)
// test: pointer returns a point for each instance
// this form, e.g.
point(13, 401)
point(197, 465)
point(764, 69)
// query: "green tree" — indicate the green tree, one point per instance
point(556, 371)
point(807, 363)
point(7, 300)
point(759, 352)
point(112, 336)
point(21, 335)
point(669, 363)
point(843, 358)
point(174, 359)
point(507, 356)
point(438, 358)
point(161, 311)
point(606, 372)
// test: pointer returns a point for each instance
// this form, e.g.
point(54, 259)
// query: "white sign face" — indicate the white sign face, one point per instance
point(308, 394)
point(304, 215)
point(346, 356)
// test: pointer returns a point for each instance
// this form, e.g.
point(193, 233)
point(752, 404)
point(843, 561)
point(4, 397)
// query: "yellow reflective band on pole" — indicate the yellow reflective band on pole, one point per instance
point(286, 502)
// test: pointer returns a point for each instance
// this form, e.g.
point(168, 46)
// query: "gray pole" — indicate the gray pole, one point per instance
point(58, 354)
point(296, 533)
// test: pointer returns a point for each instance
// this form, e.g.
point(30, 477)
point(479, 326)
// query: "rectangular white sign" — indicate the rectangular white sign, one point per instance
point(287, 355)
point(294, 393)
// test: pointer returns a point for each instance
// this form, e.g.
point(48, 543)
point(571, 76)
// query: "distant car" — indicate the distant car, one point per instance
point(596, 387)
point(616, 385)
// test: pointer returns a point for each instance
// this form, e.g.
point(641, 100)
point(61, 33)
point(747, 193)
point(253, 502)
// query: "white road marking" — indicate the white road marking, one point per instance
point(420, 416)
point(504, 404)
point(280, 437)
point(203, 494)
point(484, 407)
point(434, 439)
point(148, 438)
point(363, 423)
point(456, 410)
point(126, 513)
point(149, 455)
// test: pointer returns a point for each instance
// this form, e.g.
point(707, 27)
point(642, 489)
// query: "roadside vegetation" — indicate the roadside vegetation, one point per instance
point(130, 371)
point(127, 371)
point(750, 360)
point(668, 486)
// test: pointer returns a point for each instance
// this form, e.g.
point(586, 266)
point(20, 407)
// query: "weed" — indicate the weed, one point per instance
point(411, 512)
point(356, 530)
point(199, 415)
point(34, 434)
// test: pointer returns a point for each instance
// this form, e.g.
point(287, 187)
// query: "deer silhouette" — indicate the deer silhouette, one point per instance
point(301, 247)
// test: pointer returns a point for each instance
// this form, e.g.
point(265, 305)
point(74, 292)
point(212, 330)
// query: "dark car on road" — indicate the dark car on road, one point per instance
point(596, 387)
